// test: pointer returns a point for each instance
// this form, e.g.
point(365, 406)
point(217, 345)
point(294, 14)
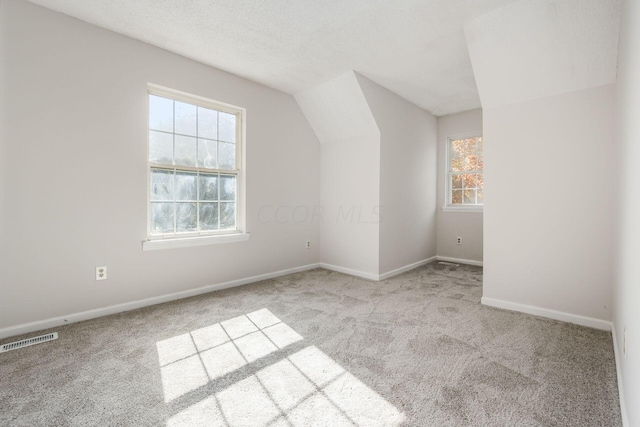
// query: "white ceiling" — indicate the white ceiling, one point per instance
point(415, 48)
point(541, 48)
point(338, 111)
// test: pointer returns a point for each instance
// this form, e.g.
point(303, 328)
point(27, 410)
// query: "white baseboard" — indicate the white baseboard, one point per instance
point(550, 314)
point(374, 276)
point(351, 272)
point(459, 260)
point(113, 309)
point(405, 268)
point(617, 353)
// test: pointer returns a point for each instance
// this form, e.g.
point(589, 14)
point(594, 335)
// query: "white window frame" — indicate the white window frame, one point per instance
point(448, 207)
point(199, 238)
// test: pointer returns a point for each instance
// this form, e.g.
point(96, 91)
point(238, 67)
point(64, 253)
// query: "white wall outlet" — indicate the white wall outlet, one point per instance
point(458, 240)
point(624, 343)
point(101, 273)
point(307, 244)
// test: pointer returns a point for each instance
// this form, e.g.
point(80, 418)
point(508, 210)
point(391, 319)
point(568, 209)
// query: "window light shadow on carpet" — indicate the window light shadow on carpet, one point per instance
point(304, 387)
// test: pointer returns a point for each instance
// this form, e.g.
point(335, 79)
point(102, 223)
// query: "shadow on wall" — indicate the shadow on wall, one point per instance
point(215, 376)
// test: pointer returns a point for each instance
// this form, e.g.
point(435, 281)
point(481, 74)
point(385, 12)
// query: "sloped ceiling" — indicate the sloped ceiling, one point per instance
point(338, 111)
point(538, 48)
point(415, 48)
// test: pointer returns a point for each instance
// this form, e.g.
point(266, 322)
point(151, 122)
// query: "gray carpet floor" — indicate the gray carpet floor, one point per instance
point(318, 348)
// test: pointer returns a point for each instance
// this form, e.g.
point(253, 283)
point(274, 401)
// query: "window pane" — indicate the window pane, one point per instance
point(457, 164)
point(208, 216)
point(227, 156)
point(456, 197)
point(479, 181)
point(480, 160)
point(464, 154)
point(457, 148)
point(161, 218)
point(457, 155)
point(185, 118)
point(470, 197)
point(227, 215)
point(469, 180)
point(185, 151)
point(474, 153)
point(456, 181)
point(470, 147)
point(207, 123)
point(480, 198)
point(161, 185)
point(207, 154)
point(186, 186)
point(160, 147)
point(186, 217)
point(208, 187)
point(227, 187)
point(226, 127)
point(471, 163)
point(160, 113)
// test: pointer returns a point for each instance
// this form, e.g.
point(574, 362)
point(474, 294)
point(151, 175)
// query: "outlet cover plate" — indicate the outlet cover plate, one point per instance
point(101, 272)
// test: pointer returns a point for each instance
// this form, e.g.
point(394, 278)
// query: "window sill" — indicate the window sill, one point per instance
point(475, 209)
point(185, 242)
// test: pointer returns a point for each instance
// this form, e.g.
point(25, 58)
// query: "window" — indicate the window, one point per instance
point(195, 166)
point(465, 180)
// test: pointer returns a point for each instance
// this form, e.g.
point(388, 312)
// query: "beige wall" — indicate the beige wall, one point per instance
point(3, 109)
point(378, 176)
point(407, 178)
point(626, 290)
point(550, 194)
point(451, 225)
point(350, 174)
point(74, 154)
point(350, 230)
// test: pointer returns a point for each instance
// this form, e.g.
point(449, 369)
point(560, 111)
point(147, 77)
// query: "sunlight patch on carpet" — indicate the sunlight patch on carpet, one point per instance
point(190, 361)
point(306, 388)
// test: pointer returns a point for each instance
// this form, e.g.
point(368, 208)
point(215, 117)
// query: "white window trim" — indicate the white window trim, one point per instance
point(180, 240)
point(172, 243)
point(448, 207)
point(465, 208)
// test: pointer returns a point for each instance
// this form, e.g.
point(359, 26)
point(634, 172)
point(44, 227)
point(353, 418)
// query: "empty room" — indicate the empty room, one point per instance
point(319, 213)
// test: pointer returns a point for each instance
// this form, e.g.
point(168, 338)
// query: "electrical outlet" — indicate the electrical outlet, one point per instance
point(101, 273)
point(308, 244)
point(458, 240)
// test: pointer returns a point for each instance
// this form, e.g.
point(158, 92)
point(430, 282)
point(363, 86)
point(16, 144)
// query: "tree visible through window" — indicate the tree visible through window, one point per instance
point(465, 180)
point(194, 165)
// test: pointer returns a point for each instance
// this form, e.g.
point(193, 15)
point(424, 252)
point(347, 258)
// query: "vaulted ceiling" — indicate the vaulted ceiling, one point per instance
point(415, 48)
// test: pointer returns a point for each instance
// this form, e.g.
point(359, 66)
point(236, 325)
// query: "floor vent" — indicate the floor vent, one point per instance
point(448, 263)
point(28, 342)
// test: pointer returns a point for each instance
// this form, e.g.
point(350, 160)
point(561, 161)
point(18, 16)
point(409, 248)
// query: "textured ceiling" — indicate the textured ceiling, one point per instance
point(534, 49)
point(415, 48)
